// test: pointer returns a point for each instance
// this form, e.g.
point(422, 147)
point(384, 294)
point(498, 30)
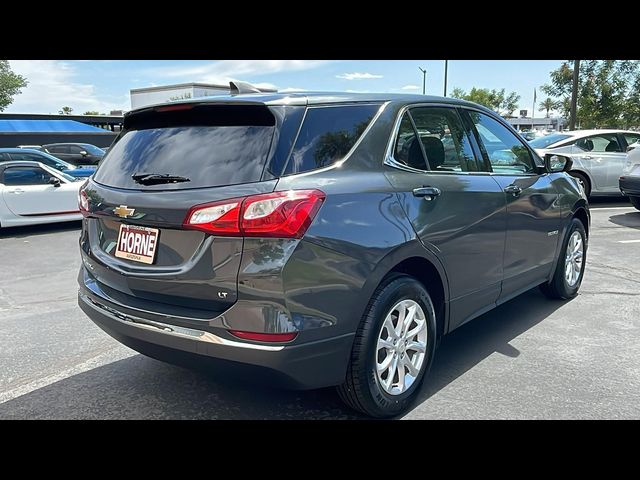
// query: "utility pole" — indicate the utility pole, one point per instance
point(574, 95)
point(446, 68)
point(424, 79)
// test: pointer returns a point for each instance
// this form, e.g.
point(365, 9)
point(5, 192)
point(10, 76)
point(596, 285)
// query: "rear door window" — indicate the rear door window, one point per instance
point(327, 134)
point(210, 146)
point(606, 142)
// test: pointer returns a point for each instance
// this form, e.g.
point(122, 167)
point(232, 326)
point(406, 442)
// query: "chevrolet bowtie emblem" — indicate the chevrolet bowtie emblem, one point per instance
point(123, 211)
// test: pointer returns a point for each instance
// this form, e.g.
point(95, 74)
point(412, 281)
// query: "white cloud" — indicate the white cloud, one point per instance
point(358, 76)
point(52, 86)
point(224, 70)
point(410, 87)
point(358, 91)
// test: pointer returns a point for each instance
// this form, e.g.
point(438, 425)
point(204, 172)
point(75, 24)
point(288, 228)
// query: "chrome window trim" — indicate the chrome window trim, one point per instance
point(392, 162)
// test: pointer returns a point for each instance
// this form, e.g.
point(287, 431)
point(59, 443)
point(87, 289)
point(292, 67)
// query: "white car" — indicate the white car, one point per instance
point(598, 156)
point(630, 178)
point(32, 193)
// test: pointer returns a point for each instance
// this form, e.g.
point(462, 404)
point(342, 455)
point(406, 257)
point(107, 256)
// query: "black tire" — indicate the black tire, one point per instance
point(558, 287)
point(361, 390)
point(584, 180)
point(635, 201)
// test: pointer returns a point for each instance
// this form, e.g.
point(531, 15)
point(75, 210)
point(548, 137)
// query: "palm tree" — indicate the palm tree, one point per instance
point(548, 104)
point(66, 111)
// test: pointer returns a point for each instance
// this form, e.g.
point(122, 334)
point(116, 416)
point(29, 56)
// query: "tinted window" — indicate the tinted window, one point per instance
point(544, 142)
point(30, 157)
point(407, 150)
point(208, 156)
point(327, 135)
point(631, 137)
point(504, 150)
point(57, 149)
point(4, 157)
point(26, 176)
point(443, 139)
point(75, 149)
point(606, 142)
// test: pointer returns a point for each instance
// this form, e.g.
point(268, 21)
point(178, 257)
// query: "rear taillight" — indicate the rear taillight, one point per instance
point(279, 214)
point(264, 337)
point(83, 200)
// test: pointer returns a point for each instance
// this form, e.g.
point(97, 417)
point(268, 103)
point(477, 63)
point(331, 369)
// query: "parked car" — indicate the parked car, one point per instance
point(33, 193)
point(338, 254)
point(76, 153)
point(19, 154)
point(532, 134)
point(598, 156)
point(629, 181)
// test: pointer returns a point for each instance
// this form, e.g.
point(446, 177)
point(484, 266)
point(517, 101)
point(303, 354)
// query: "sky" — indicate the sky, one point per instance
point(103, 85)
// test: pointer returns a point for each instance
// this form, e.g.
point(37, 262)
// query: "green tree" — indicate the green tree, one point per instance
point(91, 112)
point(606, 92)
point(10, 84)
point(496, 100)
point(66, 111)
point(548, 104)
point(457, 93)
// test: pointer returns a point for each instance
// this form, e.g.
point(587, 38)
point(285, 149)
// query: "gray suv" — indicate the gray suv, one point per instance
point(326, 239)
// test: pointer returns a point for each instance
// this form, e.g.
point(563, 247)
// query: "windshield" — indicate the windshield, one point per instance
point(69, 178)
point(544, 142)
point(92, 149)
point(55, 162)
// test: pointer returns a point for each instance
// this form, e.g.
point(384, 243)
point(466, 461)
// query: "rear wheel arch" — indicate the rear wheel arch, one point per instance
point(581, 214)
point(414, 260)
point(586, 177)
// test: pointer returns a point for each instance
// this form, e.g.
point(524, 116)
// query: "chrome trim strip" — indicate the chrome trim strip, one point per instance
point(174, 330)
point(392, 162)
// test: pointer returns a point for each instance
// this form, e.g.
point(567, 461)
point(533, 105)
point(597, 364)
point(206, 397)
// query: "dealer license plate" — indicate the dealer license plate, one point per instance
point(138, 244)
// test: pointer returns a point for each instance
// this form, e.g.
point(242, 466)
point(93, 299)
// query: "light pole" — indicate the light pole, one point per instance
point(424, 79)
point(446, 68)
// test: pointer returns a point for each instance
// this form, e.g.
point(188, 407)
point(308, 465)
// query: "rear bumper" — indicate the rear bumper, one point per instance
point(299, 366)
point(630, 186)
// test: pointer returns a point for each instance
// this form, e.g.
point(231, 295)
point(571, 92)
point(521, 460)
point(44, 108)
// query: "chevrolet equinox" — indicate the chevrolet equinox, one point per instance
point(321, 239)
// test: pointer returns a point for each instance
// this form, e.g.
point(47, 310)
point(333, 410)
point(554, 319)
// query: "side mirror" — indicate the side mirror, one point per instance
point(54, 181)
point(83, 153)
point(557, 163)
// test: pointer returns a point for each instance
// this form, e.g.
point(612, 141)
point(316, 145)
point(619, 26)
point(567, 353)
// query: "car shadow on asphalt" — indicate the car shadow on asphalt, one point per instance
point(142, 388)
point(31, 230)
point(629, 219)
point(490, 333)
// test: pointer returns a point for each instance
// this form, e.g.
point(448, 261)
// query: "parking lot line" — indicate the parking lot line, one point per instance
point(596, 209)
point(628, 241)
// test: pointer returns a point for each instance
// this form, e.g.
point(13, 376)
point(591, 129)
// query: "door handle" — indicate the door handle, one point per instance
point(587, 157)
point(429, 193)
point(513, 190)
point(17, 191)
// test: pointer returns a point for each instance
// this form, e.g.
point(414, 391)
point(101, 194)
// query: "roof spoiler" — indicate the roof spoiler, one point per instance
point(238, 88)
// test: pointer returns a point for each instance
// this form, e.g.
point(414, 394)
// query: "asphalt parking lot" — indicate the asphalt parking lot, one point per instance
point(531, 358)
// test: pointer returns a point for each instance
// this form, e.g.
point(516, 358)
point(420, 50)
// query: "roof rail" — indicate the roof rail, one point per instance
point(238, 88)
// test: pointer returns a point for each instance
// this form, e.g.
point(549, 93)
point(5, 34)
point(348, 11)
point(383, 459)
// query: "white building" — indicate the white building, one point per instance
point(141, 97)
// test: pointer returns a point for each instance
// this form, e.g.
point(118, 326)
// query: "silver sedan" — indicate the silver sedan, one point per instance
point(598, 156)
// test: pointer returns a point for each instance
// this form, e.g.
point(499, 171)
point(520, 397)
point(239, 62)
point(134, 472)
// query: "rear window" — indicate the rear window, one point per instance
point(209, 145)
point(327, 135)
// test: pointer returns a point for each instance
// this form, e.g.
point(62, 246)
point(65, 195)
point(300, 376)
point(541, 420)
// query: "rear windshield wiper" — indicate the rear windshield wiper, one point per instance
point(157, 178)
